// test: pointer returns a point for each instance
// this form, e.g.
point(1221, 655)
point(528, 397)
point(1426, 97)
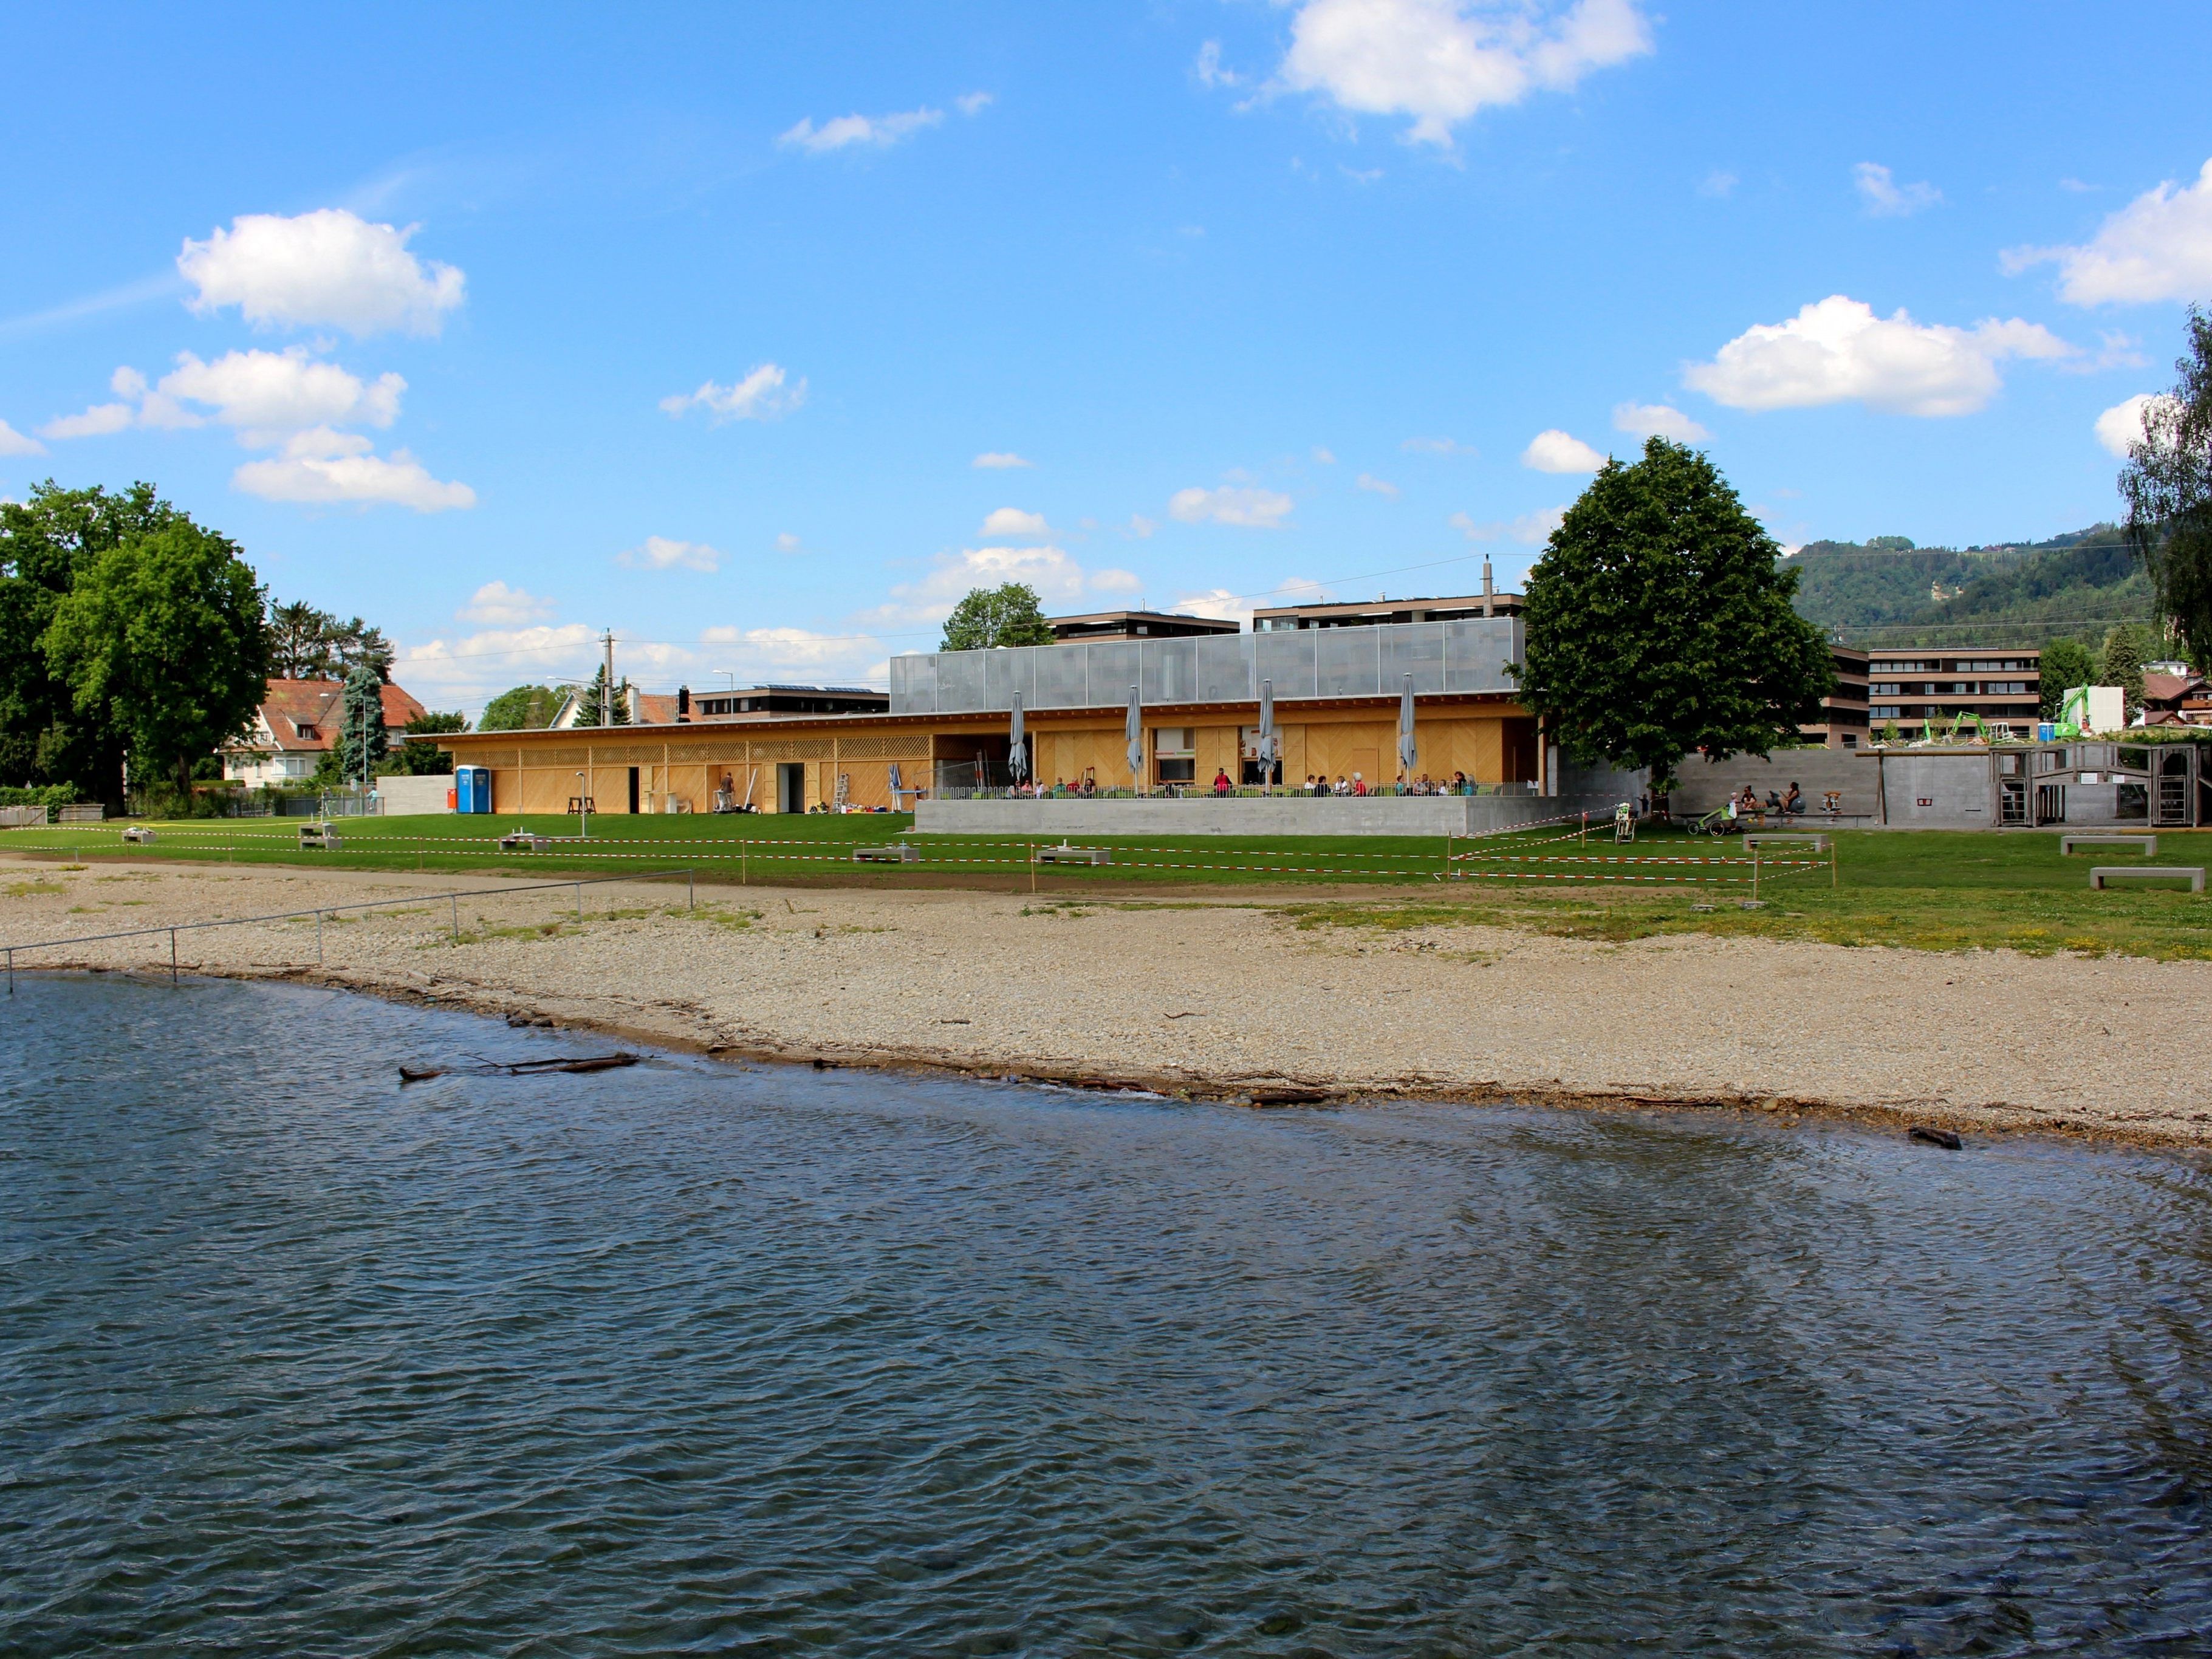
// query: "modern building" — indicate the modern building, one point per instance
point(1334, 692)
point(758, 702)
point(297, 725)
point(1382, 613)
point(2002, 686)
point(1105, 627)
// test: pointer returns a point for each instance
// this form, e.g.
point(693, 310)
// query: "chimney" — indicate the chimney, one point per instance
point(683, 702)
point(1489, 595)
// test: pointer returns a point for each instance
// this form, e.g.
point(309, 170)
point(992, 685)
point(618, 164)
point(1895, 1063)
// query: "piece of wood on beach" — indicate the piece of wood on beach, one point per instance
point(1943, 1138)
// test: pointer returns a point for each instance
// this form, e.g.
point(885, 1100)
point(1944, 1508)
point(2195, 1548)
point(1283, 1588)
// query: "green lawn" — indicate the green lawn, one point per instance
point(1924, 889)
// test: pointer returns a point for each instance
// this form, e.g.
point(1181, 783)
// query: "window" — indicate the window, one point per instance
point(1174, 757)
point(305, 729)
point(2005, 689)
point(1891, 689)
point(1898, 668)
point(1885, 712)
point(1960, 689)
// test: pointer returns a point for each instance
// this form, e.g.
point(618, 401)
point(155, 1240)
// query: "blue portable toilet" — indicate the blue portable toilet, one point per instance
point(472, 789)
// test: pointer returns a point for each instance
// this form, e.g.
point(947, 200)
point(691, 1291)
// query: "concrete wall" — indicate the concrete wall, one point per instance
point(1702, 785)
point(1264, 815)
point(407, 796)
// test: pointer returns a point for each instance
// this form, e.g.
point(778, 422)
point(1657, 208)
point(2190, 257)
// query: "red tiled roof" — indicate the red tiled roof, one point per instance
point(2170, 688)
point(319, 706)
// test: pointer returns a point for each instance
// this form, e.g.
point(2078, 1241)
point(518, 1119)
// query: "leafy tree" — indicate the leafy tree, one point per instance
point(1010, 613)
point(364, 740)
point(595, 699)
point(2167, 484)
point(44, 543)
point(2127, 648)
point(418, 754)
point(2066, 664)
point(160, 638)
point(523, 708)
point(308, 644)
point(1659, 623)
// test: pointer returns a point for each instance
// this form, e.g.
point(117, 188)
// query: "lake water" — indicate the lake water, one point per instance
point(698, 1358)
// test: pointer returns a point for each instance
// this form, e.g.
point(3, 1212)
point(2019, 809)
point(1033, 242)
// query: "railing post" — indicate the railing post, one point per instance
point(173, 955)
point(11, 971)
point(319, 938)
point(690, 895)
point(456, 897)
point(580, 900)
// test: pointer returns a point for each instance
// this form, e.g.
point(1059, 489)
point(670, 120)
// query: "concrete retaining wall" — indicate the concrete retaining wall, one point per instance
point(406, 796)
point(1267, 815)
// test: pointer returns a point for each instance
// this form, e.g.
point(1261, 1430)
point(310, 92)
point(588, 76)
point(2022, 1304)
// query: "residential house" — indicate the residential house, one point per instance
point(296, 726)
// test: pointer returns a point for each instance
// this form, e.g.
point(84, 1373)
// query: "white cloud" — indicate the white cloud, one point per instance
point(2157, 247)
point(775, 653)
point(1116, 581)
point(1057, 578)
point(1839, 351)
point(1718, 183)
point(880, 131)
point(1012, 521)
point(13, 442)
point(1885, 197)
point(1209, 71)
point(1531, 528)
point(660, 553)
point(1376, 486)
point(1141, 527)
point(1440, 61)
point(1554, 451)
point(786, 542)
point(1225, 606)
point(326, 466)
point(1326, 457)
point(498, 605)
point(759, 397)
point(265, 395)
point(1656, 420)
point(1438, 447)
point(1253, 508)
point(469, 670)
point(2123, 423)
point(975, 103)
point(325, 268)
point(999, 458)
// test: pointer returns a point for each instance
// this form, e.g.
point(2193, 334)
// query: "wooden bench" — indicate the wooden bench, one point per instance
point(1776, 838)
point(898, 852)
point(2146, 844)
point(2192, 873)
point(1063, 854)
point(324, 836)
point(138, 835)
point(524, 841)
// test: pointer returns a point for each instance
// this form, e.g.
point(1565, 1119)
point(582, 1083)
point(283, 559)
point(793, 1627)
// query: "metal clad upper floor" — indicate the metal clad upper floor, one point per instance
point(1469, 656)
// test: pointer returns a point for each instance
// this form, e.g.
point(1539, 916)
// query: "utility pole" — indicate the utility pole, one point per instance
point(607, 697)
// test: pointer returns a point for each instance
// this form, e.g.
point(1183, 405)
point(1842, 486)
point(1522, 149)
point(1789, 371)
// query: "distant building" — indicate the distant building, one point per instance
point(758, 702)
point(2003, 685)
point(296, 726)
point(2176, 694)
point(1101, 626)
point(1380, 612)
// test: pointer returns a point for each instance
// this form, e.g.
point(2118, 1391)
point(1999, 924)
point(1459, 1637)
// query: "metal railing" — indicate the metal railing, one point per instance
point(1238, 792)
point(455, 897)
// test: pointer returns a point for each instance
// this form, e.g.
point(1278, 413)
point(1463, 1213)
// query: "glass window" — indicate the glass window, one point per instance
point(1173, 740)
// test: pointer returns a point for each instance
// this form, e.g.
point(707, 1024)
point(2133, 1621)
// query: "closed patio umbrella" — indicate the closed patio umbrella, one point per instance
point(1408, 754)
point(1018, 757)
point(1135, 733)
point(1267, 732)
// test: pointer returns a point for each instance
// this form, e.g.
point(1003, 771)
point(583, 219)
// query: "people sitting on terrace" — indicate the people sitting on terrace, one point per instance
point(1793, 801)
point(1343, 785)
point(1221, 780)
point(1459, 783)
point(1358, 783)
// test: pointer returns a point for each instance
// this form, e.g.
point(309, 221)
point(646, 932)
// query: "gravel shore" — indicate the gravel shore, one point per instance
point(1210, 996)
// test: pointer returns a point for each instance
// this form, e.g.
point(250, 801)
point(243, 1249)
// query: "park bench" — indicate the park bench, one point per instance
point(525, 841)
point(324, 836)
point(898, 852)
point(1776, 838)
point(2192, 873)
point(138, 835)
point(2144, 844)
point(1063, 854)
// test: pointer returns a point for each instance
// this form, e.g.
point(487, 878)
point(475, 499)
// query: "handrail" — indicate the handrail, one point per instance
point(690, 902)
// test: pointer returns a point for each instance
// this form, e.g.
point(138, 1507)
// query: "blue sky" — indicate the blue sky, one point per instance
point(498, 326)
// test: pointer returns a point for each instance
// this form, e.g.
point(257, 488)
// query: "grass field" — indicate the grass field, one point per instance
point(1926, 890)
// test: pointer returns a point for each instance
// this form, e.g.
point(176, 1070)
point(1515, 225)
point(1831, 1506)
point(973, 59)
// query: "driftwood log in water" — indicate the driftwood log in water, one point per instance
point(518, 1068)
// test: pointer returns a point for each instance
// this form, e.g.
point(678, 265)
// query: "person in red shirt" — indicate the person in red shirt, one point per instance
point(1221, 780)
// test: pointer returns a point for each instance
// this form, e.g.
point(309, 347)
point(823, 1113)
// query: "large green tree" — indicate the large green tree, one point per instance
point(595, 701)
point(364, 740)
point(161, 639)
point(2127, 648)
point(418, 754)
point(522, 708)
point(308, 644)
point(45, 543)
point(2167, 484)
point(1010, 613)
point(1659, 623)
point(2066, 664)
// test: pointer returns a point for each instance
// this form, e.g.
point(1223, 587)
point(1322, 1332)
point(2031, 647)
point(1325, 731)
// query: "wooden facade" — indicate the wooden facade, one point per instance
point(798, 763)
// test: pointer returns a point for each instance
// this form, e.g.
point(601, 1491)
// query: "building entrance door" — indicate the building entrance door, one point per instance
point(633, 790)
point(791, 787)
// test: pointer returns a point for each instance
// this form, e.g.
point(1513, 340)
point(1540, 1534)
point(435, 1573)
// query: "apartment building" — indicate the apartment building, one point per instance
point(2004, 686)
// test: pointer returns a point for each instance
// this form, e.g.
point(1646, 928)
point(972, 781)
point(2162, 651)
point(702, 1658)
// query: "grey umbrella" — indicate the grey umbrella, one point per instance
point(1017, 757)
point(1408, 754)
point(1266, 730)
point(1134, 731)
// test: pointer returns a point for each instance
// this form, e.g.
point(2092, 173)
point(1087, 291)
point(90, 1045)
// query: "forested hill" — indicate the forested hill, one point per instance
point(1891, 593)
